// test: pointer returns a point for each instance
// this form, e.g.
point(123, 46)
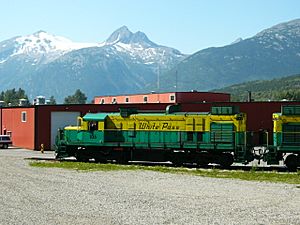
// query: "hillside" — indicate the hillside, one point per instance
point(272, 53)
point(266, 90)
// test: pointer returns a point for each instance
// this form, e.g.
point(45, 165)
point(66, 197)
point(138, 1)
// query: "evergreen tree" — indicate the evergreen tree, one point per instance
point(11, 97)
point(2, 96)
point(78, 98)
point(52, 100)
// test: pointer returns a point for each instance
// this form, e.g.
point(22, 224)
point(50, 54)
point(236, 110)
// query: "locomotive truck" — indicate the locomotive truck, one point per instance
point(219, 137)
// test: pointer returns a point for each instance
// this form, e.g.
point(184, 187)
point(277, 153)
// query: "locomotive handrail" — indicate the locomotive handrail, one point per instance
point(267, 133)
point(245, 140)
point(291, 132)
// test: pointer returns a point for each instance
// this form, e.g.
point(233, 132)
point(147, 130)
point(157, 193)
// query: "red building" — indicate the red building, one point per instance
point(169, 97)
point(20, 124)
point(32, 126)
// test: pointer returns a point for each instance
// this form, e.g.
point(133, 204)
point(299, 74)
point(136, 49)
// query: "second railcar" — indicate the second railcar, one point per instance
point(286, 137)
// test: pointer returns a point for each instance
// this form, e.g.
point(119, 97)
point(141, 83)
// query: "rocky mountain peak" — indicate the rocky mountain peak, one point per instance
point(290, 28)
point(237, 41)
point(40, 32)
point(125, 36)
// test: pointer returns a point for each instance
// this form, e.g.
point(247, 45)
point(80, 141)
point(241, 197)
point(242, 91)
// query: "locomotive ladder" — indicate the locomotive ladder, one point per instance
point(241, 151)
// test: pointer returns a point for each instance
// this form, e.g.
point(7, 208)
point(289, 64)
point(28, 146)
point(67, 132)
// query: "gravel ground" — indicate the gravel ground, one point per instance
point(40, 196)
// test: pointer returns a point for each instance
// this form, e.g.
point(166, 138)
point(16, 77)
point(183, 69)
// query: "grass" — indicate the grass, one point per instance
point(252, 175)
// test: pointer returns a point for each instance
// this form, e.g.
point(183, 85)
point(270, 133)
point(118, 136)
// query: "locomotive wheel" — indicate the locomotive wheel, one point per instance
point(122, 160)
point(202, 164)
point(177, 158)
point(177, 162)
point(201, 159)
point(81, 158)
point(100, 159)
point(226, 160)
point(291, 162)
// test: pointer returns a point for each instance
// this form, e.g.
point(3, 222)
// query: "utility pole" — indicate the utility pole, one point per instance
point(158, 78)
point(1, 117)
point(176, 73)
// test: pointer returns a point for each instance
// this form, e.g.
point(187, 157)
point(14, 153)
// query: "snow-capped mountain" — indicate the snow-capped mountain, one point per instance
point(126, 62)
point(40, 44)
point(43, 43)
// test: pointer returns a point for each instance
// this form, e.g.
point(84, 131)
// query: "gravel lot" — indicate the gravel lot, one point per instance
point(55, 196)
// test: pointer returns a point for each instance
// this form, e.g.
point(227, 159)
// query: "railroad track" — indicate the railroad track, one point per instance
point(278, 168)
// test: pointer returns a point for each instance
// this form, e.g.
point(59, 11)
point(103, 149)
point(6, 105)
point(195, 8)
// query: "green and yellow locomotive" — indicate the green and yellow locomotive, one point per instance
point(179, 137)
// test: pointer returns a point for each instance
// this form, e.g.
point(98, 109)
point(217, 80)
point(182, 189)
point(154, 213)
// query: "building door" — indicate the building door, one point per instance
point(60, 120)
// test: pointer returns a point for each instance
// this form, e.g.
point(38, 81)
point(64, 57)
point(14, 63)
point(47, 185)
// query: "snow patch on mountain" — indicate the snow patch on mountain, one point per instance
point(43, 43)
point(237, 41)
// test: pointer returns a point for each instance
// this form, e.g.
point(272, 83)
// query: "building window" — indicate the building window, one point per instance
point(114, 101)
point(102, 101)
point(24, 117)
point(145, 99)
point(126, 99)
point(172, 98)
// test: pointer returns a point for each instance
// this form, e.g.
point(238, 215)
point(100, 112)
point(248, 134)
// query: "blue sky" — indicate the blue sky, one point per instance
point(188, 25)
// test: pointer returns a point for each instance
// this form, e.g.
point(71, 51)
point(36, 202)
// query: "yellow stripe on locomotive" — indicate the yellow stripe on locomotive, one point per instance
point(159, 122)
